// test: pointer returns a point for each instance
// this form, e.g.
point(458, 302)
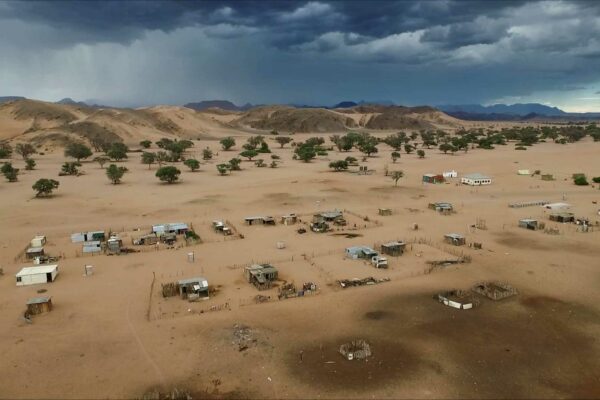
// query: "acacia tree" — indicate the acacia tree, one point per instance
point(234, 164)
point(10, 173)
point(223, 168)
point(249, 154)
point(145, 144)
point(283, 140)
point(227, 143)
point(192, 164)
point(421, 153)
point(24, 150)
point(162, 157)
point(148, 158)
point(395, 156)
point(78, 151)
point(5, 150)
point(338, 165)
point(29, 164)
point(44, 187)
point(207, 154)
point(115, 173)
point(169, 174)
point(396, 175)
point(117, 151)
point(101, 160)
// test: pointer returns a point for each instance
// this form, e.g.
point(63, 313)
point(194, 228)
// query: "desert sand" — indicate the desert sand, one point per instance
point(112, 335)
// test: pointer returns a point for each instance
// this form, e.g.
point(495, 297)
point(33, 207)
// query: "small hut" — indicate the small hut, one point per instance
point(261, 275)
point(455, 239)
point(563, 217)
point(393, 249)
point(193, 288)
point(547, 177)
point(433, 178)
point(289, 219)
point(38, 305)
point(528, 223)
point(385, 212)
point(113, 245)
point(38, 241)
point(34, 252)
point(441, 207)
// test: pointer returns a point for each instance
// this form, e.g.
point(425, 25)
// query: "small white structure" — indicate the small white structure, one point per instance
point(173, 227)
point(35, 275)
point(476, 179)
point(38, 241)
point(523, 172)
point(450, 174)
point(88, 236)
point(92, 247)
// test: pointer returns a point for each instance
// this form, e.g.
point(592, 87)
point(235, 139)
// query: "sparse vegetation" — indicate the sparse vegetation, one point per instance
point(339, 165)
point(70, 168)
point(44, 187)
point(395, 156)
point(283, 140)
point(234, 164)
point(117, 151)
point(101, 160)
point(223, 169)
point(580, 180)
point(249, 154)
point(30, 164)
point(10, 173)
point(78, 151)
point(396, 176)
point(169, 174)
point(145, 144)
point(24, 150)
point(207, 154)
point(192, 164)
point(148, 158)
point(227, 143)
point(115, 173)
point(5, 150)
point(421, 153)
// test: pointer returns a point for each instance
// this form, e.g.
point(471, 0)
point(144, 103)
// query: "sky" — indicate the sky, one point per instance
point(303, 52)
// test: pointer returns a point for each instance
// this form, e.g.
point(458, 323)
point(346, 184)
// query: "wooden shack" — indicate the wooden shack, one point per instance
point(261, 275)
point(385, 212)
point(289, 219)
point(193, 288)
point(34, 252)
point(38, 305)
point(393, 249)
point(563, 217)
point(528, 223)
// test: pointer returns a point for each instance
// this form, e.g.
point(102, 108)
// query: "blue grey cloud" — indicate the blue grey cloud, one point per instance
point(315, 51)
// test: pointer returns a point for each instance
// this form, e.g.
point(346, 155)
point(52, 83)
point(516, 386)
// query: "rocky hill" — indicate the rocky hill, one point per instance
point(53, 124)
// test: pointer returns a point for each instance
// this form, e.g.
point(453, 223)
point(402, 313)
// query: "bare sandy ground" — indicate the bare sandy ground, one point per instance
point(111, 336)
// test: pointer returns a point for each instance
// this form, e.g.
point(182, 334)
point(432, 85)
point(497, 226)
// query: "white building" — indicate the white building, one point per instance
point(476, 179)
point(450, 174)
point(35, 275)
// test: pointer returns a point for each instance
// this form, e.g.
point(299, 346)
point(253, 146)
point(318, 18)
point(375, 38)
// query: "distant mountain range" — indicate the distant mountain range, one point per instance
point(6, 99)
point(222, 104)
point(513, 109)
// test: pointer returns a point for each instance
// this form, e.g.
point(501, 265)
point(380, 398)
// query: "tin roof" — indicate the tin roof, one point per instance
point(38, 300)
point(454, 235)
point(202, 282)
point(476, 175)
point(42, 269)
point(35, 249)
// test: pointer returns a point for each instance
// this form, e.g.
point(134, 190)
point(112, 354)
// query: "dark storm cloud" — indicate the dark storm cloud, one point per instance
point(407, 51)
